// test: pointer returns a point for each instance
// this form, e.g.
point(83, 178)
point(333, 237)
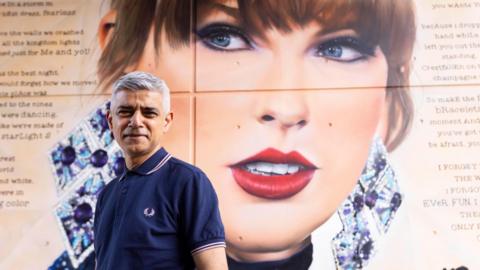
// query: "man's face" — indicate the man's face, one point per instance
point(138, 123)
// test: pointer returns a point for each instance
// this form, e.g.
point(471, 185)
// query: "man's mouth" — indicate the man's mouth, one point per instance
point(272, 174)
point(134, 135)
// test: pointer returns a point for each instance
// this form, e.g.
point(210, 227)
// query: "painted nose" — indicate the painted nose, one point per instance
point(285, 111)
point(283, 69)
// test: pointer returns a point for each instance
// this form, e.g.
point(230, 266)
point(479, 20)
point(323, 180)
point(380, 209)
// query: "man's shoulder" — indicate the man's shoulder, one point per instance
point(185, 168)
point(185, 173)
point(108, 187)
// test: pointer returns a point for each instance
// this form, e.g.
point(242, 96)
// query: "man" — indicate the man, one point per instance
point(161, 213)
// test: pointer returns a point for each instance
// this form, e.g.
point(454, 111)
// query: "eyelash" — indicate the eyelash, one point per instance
point(363, 48)
point(207, 33)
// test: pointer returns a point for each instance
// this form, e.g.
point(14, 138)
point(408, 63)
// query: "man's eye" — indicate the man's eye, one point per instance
point(150, 114)
point(123, 113)
point(344, 49)
point(224, 37)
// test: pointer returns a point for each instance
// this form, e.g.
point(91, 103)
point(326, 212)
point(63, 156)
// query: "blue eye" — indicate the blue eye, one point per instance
point(336, 51)
point(221, 40)
point(224, 37)
point(345, 49)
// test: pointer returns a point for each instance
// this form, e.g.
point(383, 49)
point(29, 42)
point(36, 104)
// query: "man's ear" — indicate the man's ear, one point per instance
point(167, 122)
point(108, 115)
point(106, 28)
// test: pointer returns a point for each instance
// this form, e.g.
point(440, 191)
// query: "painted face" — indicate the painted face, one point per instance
point(285, 150)
point(282, 161)
point(138, 123)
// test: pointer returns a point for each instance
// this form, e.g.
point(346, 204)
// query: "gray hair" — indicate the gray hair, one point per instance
point(139, 80)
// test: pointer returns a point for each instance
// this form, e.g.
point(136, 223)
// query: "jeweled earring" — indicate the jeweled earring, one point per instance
point(368, 211)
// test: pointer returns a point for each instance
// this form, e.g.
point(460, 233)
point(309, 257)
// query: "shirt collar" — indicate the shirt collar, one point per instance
point(151, 165)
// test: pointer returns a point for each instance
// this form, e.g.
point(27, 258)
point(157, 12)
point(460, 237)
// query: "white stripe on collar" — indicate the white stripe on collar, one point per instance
point(160, 164)
point(156, 168)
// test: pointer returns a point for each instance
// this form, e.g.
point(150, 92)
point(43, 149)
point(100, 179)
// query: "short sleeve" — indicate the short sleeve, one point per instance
point(200, 217)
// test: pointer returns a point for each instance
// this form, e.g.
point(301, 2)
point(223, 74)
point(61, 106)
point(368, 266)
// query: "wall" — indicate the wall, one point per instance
point(231, 105)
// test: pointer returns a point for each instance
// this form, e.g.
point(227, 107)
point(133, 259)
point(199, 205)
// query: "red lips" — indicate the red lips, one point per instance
point(250, 174)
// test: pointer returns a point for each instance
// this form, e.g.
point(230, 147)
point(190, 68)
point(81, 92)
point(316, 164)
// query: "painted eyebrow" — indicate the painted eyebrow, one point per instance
point(234, 13)
point(230, 11)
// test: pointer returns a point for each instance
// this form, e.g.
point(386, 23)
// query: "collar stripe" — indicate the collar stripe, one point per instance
point(156, 168)
point(160, 164)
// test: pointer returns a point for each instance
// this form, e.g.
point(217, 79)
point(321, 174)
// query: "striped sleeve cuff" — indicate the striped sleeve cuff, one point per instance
point(209, 246)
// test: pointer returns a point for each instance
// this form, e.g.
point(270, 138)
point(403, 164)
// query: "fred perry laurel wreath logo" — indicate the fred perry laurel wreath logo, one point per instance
point(149, 212)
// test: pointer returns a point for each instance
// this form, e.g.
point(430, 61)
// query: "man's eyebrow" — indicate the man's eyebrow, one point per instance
point(150, 109)
point(124, 107)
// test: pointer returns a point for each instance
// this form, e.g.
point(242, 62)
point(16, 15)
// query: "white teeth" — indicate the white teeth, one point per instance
point(251, 167)
point(293, 169)
point(280, 168)
point(265, 168)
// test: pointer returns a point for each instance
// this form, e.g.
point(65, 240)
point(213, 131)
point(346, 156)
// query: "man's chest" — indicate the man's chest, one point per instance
point(135, 214)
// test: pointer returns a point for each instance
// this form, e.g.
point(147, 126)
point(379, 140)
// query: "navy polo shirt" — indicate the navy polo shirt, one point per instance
point(156, 216)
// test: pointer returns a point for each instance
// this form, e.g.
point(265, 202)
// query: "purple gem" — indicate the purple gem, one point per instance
point(119, 166)
point(81, 192)
point(366, 249)
point(82, 213)
point(371, 199)
point(380, 164)
point(99, 158)
point(396, 201)
point(68, 155)
point(103, 122)
point(356, 258)
point(358, 203)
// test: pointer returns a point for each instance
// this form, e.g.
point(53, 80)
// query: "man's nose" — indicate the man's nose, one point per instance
point(286, 111)
point(136, 119)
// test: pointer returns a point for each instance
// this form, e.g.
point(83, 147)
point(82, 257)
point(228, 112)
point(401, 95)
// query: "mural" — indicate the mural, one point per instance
point(337, 134)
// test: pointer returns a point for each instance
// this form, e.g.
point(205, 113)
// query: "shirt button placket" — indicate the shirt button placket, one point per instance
point(121, 199)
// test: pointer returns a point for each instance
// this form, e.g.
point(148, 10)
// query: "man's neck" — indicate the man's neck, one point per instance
point(134, 162)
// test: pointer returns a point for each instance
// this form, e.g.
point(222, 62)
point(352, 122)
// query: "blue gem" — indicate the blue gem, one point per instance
point(76, 216)
point(396, 201)
point(98, 124)
point(83, 213)
point(99, 158)
point(68, 155)
point(371, 199)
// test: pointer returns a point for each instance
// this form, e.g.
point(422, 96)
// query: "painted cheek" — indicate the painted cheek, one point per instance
point(147, 61)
